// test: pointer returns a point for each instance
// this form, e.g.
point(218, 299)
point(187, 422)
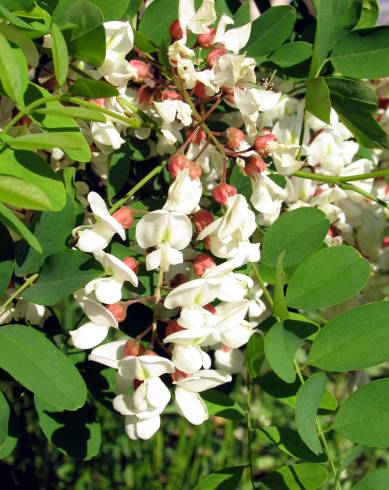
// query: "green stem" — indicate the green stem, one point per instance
point(354, 188)
point(342, 178)
point(249, 429)
point(136, 188)
point(263, 285)
point(17, 293)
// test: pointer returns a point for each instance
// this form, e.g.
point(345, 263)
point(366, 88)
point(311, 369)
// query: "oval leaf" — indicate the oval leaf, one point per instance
point(307, 476)
point(328, 277)
point(357, 339)
point(4, 418)
point(60, 55)
point(224, 479)
point(377, 480)
point(13, 71)
point(8, 218)
point(6, 259)
point(38, 365)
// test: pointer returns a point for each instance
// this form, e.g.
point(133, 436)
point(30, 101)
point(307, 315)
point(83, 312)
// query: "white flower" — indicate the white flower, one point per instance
point(144, 367)
point(184, 194)
point(284, 157)
point(233, 329)
point(167, 231)
point(231, 69)
point(95, 331)
point(189, 403)
point(229, 360)
point(6, 315)
point(97, 236)
point(106, 134)
point(109, 354)
point(267, 198)
point(196, 22)
point(169, 111)
point(32, 313)
point(234, 39)
point(198, 292)
point(189, 358)
point(108, 290)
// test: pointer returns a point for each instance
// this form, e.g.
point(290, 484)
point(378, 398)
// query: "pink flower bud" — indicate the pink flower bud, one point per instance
point(132, 348)
point(124, 216)
point(210, 308)
point(201, 219)
point(171, 95)
point(225, 348)
point(178, 279)
point(385, 242)
point(177, 163)
point(195, 170)
point(222, 192)
point(199, 136)
point(132, 263)
point(141, 68)
point(173, 327)
point(254, 166)
point(145, 95)
point(178, 375)
point(202, 263)
point(234, 138)
point(118, 310)
point(214, 55)
point(261, 142)
point(200, 91)
point(136, 383)
point(206, 40)
point(99, 102)
point(175, 30)
point(207, 243)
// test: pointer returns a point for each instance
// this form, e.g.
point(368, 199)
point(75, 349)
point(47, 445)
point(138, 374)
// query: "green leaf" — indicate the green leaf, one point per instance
point(300, 232)
point(62, 274)
point(143, 43)
point(18, 4)
point(354, 340)
point(6, 259)
point(11, 438)
point(280, 309)
point(376, 480)
point(91, 47)
point(242, 15)
point(4, 418)
point(52, 230)
point(92, 89)
point(281, 344)
point(8, 218)
point(270, 30)
point(224, 479)
point(156, 26)
point(42, 141)
point(291, 54)
point(369, 14)
point(254, 355)
point(26, 181)
point(53, 123)
point(241, 182)
point(334, 18)
point(13, 71)
point(112, 10)
point(76, 434)
point(81, 16)
point(20, 38)
point(289, 441)
point(307, 404)
point(355, 102)
point(317, 99)
point(60, 55)
point(37, 364)
point(364, 417)
point(222, 405)
point(119, 169)
point(363, 54)
point(74, 112)
point(303, 476)
point(328, 277)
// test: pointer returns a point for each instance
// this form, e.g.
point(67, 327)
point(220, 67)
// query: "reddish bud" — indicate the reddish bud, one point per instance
point(141, 68)
point(132, 263)
point(201, 219)
point(385, 242)
point(118, 310)
point(176, 164)
point(178, 279)
point(136, 383)
point(173, 327)
point(222, 192)
point(132, 348)
point(214, 55)
point(199, 136)
point(175, 31)
point(261, 142)
point(225, 348)
point(99, 102)
point(149, 353)
point(254, 165)
point(145, 95)
point(383, 102)
point(202, 263)
point(178, 375)
point(206, 40)
point(200, 91)
point(171, 95)
point(234, 138)
point(210, 308)
point(124, 216)
point(195, 170)
point(207, 242)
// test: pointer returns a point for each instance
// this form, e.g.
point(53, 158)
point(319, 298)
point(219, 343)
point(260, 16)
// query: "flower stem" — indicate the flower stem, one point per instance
point(136, 188)
point(262, 284)
point(249, 430)
point(17, 293)
point(331, 179)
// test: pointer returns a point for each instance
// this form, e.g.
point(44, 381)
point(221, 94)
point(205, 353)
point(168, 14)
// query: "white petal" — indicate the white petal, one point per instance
point(187, 358)
point(96, 312)
point(109, 290)
point(203, 380)
point(90, 239)
point(158, 395)
point(119, 269)
point(145, 429)
point(123, 404)
point(145, 367)
point(88, 335)
point(108, 354)
point(153, 259)
point(191, 406)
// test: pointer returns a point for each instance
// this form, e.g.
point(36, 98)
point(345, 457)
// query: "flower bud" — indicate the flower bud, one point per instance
point(199, 136)
point(171, 95)
point(118, 310)
point(254, 165)
point(200, 91)
point(178, 375)
point(234, 138)
point(195, 170)
point(142, 70)
point(385, 242)
point(124, 216)
point(210, 308)
point(225, 348)
point(145, 95)
point(201, 219)
point(177, 163)
point(132, 348)
point(206, 40)
point(202, 263)
point(136, 383)
point(207, 243)
point(178, 279)
point(214, 55)
point(100, 102)
point(173, 327)
point(261, 142)
point(383, 102)
point(222, 192)
point(132, 263)
point(175, 30)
